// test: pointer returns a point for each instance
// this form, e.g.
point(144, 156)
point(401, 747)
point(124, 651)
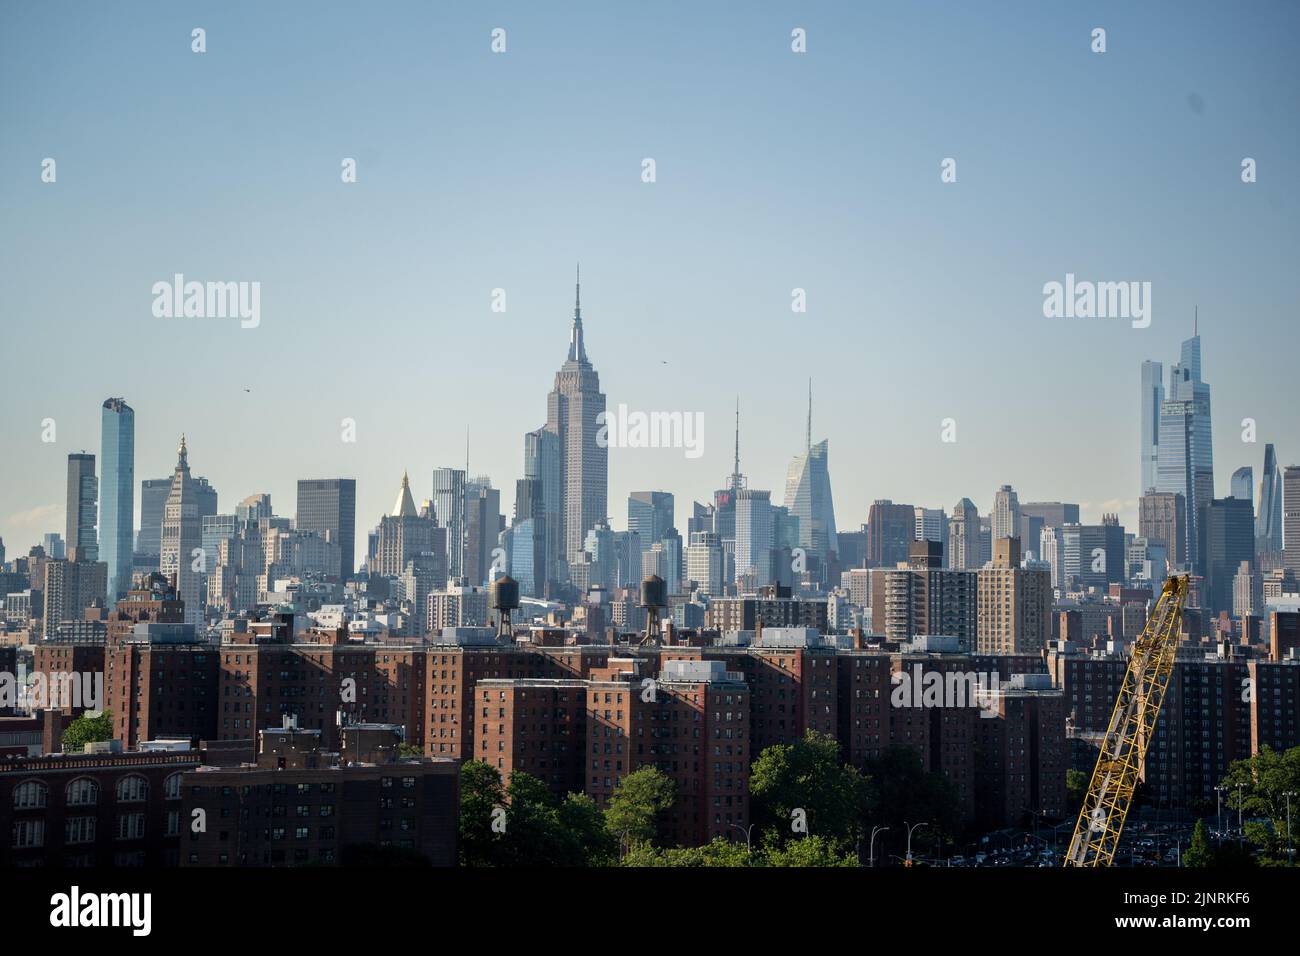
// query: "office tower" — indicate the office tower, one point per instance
point(602, 547)
point(1153, 395)
point(483, 526)
point(83, 492)
point(891, 529)
point(1054, 514)
point(449, 508)
point(1291, 518)
point(328, 507)
point(1095, 553)
point(153, 501)
point(627, 551)
point(704, 562)
point(182, 536)
point(1031, 529)
point(671, 545)
point(1247, 592)
point(650, 514)
point(404, 533)
point(117, 499)
point(1162, 520)
point(932, 525)
point(754, 534)
point(255, 508)
point(1243, 483)
point(1268, 520)
point(1185, 460)
point(214, 530)
point(1051, 551)
point(69, 587)
point(542, 464)
point(701, 519)
point(1014, 603)
point(574, 413)
point(54, 547)
point(964, 536)
point(1006, 514)
point(1227, 531)
point(808, 497)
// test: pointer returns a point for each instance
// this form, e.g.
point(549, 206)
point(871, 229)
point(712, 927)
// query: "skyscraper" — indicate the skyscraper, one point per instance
point(1268, 519)
point(1291, 522)
point(449, 509)
point(1006, 514)
point(83, 492)
point(574, 413)
point(1227, 529)
point(1153, 396)
point(542, 465)
point(153, 500)
point(650, 514)
point(754, 534)
point(182, 537)
point(1185, 461)
point(964, 536)
point(328, 507)
point(483, 526)
point(1243, 483)
point(808, 497)
point(117, 499)
point(891, 529)
point(404, 534)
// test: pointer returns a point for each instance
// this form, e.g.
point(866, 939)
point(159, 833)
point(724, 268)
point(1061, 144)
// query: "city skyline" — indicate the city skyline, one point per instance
point(905, 276)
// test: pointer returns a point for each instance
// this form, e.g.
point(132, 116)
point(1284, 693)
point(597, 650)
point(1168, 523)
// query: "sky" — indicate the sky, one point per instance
point(775, 170)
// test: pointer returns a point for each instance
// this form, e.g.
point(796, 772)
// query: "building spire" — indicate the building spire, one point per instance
point(1196, 320)
point(809, 449)
point(577, 351)
point(736, 479)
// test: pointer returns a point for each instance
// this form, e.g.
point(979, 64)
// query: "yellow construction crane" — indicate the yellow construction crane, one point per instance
point(1132, 723)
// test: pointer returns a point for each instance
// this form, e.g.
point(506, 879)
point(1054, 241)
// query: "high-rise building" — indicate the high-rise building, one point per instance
point(808, 498)
point(1162, 520)
point(1243, 483)
point(153, 501)
point(1014, 603)
point(483, 527)
point(964, 536)
point(1095, 553)
point(704, 562)
point(1153, 396)
point(1291, 518)
point(1006, 514)
point(328, 507)
point(449, 508)
point(891, 529)
point(575, 413)
point(117, 494)
point(83, 493)
point(69, 587)
point(650, 514)
point(404, 533)
point(1268, 519)
point(182, 536)
point(542, 465)
point(1185, 461)
point(1227, 530)
point(1054, 514)
point(754, 534)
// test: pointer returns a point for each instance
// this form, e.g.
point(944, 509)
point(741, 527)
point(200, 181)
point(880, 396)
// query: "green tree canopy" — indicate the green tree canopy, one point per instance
point(1199, 854)
point(1259, 787)
point(808, 775)
point(86, 730)
point(637, 808)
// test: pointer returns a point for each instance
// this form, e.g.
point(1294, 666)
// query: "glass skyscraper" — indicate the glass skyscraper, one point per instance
point(1185, 461)
point(117, 494)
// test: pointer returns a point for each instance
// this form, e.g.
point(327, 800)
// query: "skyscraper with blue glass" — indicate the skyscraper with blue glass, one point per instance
point(117, 494)
point(1185, 460)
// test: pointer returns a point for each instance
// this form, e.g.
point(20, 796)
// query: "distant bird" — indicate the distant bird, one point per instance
point(248, 389)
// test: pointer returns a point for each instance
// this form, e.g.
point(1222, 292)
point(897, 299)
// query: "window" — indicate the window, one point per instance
point(30, 795)
point(79, 830)
point(28, 833)
point(172, 787)
point(132, 789)
point(130, 826)
point(82, 792)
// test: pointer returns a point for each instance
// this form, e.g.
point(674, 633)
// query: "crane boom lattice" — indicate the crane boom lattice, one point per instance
point(1132, 723)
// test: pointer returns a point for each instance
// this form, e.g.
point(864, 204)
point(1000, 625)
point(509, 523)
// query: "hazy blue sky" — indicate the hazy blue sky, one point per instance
point(775, 171)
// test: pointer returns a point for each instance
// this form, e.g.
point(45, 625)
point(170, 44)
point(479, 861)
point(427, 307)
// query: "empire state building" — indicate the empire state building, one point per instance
point(572, 408)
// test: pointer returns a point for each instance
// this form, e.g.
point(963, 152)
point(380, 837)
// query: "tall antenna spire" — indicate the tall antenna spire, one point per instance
point(735, 468)
point(810, 415)
point(577, 293)
point(577, 351)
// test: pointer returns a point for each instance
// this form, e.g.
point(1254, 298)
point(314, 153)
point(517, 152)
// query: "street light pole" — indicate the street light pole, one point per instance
point(871, 856)
point(1289, 851)
point(910, 830)
point(1241, 828)
point(749, 846)
point(1218, 801)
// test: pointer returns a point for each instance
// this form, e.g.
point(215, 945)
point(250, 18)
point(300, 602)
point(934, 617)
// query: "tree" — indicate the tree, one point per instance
point(812, 850)
point(639, 803)
point(808, 775)
point(1199, 853)
point(480, 794)
point(903, 792)
point(718, 853)
point(409, 750)
point(86, 730)
point(1260, 783)
point(1076, 788)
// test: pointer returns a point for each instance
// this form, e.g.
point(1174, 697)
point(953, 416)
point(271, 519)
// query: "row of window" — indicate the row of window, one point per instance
point(84, 792)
